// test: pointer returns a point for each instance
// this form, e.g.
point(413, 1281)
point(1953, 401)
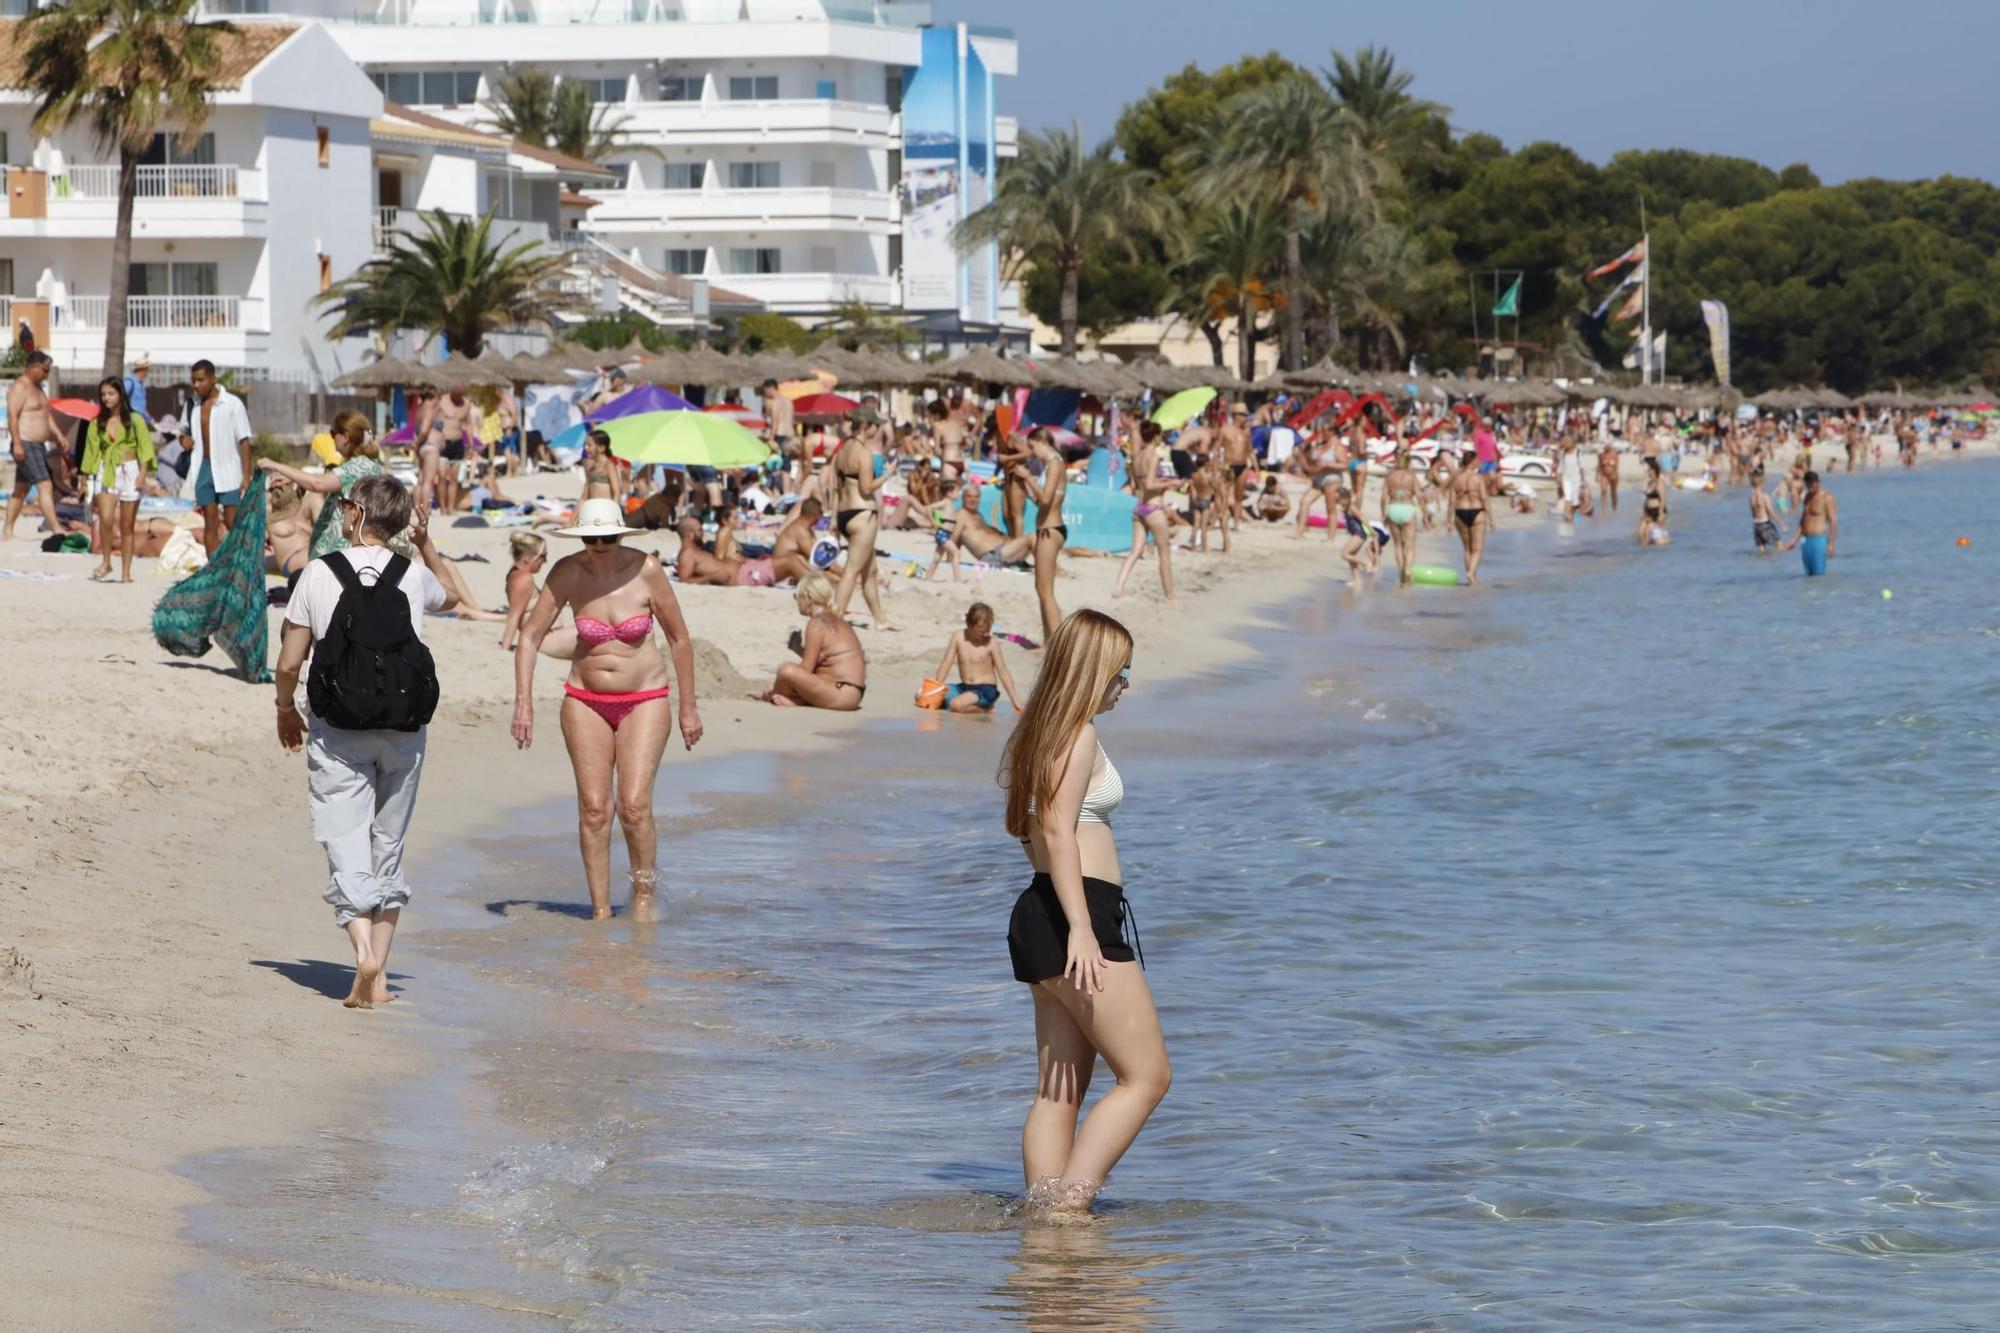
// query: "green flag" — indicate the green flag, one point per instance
point(1510, 304)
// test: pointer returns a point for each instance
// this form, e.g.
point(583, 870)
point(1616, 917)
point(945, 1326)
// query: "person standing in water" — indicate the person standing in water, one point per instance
point(1470, 514)
point(615, 716)
point(1607, 475)
point(1653, 507)
point(1819, 527)
point(1067, 934)
point(1399, 509)
point(1763, 518)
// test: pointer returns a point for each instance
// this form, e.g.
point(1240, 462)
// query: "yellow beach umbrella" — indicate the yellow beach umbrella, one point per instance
point(1183, 407)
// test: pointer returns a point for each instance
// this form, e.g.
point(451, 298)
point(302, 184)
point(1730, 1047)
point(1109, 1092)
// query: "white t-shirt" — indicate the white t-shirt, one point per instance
point(318, 590)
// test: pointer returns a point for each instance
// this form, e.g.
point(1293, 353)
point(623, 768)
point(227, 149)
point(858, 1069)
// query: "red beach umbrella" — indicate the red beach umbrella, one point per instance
point(823, 405)
point(80, 408)
point(742, 416)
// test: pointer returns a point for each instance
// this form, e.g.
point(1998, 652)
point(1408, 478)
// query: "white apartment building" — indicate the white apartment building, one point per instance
point(765, 137)
point(232, 235)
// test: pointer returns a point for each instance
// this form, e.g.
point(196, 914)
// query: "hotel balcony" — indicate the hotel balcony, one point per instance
point(786, 208)
point(229, 330)
point(787, 121)
point(505, 233)
point(791, 293)
point(173, 202)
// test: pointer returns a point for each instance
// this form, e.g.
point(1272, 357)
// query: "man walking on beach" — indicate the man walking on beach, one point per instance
point(376, 687)
point(1819, 527)
point(32, 430)
point(784, 433)
point(221, 431)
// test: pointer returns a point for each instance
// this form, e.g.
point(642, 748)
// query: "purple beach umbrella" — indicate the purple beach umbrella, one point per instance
point(645, 398)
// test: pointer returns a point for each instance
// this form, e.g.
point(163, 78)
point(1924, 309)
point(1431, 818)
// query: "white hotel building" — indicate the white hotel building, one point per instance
point(766, 135)
point(765, 155)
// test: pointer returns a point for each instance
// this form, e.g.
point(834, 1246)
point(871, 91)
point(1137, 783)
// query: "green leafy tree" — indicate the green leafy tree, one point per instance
point(1287, 143)
point(775, 333)
point(1390, 126)
point(127, 69)
point(450, 280)
point(1059, 203)
point(1111, 291)
point(1232, 257)
point(563, 114)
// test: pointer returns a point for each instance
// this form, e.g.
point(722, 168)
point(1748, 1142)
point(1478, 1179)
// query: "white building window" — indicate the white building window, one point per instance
point(168, 150)
point(753, 175)
point(429, 87)
point(753, 88)
point(6, 158)
point(686, 261)
point(604, 90)
point(826, 90)
point(197, 279)
point(683, 176)
point(755, 261)
point(680, 87)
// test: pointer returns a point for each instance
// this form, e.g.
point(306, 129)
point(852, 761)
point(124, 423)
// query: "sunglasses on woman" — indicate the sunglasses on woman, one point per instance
point(599, 541)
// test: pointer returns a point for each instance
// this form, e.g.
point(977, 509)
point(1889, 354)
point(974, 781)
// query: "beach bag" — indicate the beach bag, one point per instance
point(371, 672)
point(931, 693)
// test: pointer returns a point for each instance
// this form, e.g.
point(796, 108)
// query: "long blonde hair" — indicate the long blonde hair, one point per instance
point(1084, 653)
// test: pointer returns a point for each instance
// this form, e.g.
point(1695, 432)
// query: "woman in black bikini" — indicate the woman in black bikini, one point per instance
point(1653, 513)
point(857, 516)
point(1051, 533)
point(1068, 933)
point(614, 710)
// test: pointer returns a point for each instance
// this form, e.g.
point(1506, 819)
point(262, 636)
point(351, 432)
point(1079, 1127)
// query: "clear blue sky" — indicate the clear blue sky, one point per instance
point(1895, 88)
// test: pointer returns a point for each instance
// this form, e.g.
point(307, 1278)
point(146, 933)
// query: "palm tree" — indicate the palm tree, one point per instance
point(1225, 273)
point(1284, 142)
point(1057, 203)
point(537, 108)
point(1371, 269)
point(1374, 98)
point(125, 68)
point(450, 280)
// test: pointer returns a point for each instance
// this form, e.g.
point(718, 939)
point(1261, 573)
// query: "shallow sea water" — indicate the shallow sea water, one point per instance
point(1610, 945)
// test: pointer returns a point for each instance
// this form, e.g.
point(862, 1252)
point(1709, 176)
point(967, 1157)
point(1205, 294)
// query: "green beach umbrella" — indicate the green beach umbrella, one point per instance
point(691, 439)
point(1178, 410)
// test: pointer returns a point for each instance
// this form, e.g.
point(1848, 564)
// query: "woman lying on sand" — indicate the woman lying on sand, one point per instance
point(614, 715)
point(833, 671)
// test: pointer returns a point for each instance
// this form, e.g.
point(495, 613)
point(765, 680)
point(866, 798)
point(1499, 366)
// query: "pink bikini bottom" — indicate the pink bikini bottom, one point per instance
point(613, 708)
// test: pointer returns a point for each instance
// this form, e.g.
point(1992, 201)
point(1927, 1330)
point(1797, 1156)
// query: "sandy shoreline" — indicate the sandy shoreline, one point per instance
point(164, 886)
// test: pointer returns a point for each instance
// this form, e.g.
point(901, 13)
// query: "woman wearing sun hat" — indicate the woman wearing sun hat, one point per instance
point(615, 719)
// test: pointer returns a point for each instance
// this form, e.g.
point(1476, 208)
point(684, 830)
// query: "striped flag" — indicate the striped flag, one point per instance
point(1635, 253)
point(1633, 304)
point(1632, 279)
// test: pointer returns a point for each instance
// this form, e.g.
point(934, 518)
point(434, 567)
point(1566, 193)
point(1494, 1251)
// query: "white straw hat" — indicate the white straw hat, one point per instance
point(598, 518)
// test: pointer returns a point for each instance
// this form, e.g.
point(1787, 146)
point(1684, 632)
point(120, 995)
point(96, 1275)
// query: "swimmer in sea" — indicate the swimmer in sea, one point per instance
point(1763, 518)
point(1399, 509)
point(1653, 508)
point(1819, 527)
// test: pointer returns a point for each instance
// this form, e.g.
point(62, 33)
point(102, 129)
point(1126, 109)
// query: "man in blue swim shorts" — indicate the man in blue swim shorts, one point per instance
point(1819, 527)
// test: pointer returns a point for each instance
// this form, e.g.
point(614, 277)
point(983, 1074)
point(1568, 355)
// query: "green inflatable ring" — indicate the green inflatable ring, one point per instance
point(1436, 576)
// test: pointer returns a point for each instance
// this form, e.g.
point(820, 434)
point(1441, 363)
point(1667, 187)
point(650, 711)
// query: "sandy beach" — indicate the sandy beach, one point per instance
point(170, 993)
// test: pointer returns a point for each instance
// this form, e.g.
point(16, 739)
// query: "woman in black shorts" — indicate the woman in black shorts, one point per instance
point(1068, 935)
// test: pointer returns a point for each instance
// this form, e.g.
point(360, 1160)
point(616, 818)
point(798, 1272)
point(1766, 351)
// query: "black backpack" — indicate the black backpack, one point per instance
point(371, 672)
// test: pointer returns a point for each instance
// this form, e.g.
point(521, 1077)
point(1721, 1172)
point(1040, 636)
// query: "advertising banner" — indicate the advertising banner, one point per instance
point(1716, 315)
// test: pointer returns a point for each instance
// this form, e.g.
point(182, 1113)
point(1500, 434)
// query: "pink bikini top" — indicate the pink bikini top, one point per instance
point(594, 632)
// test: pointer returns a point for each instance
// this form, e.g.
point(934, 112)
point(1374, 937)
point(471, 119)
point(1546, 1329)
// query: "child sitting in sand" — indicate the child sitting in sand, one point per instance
point(982, 671)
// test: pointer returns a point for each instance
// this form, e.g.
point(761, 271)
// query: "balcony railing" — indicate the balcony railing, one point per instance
point(100, 181)
point(155, 312)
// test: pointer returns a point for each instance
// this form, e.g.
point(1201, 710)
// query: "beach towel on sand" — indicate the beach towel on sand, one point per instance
point(224, 602)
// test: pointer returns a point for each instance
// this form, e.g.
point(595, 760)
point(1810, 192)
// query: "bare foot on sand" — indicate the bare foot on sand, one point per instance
point(367, 976)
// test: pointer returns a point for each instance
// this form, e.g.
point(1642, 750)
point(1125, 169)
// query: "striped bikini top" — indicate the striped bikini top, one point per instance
point(1104, 797)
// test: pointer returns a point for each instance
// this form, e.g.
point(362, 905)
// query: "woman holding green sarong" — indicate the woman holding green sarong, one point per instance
point(359, 457)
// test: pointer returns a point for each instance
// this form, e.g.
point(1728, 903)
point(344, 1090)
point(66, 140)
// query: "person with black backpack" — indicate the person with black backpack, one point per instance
point(370, 692)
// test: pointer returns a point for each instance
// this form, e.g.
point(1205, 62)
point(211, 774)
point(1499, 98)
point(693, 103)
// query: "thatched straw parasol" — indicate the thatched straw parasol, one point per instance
point(384, 372)
point(983, 365)
point(458, 368)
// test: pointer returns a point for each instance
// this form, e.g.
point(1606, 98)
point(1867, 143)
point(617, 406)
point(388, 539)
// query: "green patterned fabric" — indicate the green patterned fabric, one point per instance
point(224, 601)
point(326, 536)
